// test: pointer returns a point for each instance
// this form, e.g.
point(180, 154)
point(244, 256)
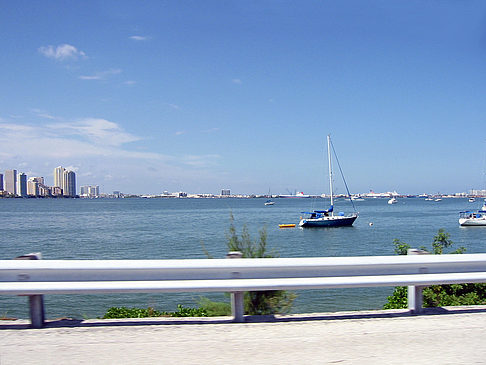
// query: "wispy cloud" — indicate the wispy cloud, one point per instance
point(42, 114)
point(179, 133)
point(129, 82)
point(236, 81)
point(99, 131)
point(62, 52)
point(102, 75)
point(138, 38)
point(98, 148)
point(173, 106)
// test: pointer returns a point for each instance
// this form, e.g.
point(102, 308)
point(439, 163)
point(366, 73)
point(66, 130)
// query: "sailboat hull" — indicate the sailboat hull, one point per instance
point(331, 221)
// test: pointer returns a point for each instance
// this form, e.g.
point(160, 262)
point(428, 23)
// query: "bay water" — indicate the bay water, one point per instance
point(185, 228)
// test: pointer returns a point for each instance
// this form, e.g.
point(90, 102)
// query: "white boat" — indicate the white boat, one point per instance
point(438, 200)
point(269, 202)
point(327, 218)
point(393, 201)
point(473, 218)
point(357, 198)
point(471, 200)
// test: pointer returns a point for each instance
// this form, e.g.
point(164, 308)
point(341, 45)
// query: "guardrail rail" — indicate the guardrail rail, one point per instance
point(36, 278)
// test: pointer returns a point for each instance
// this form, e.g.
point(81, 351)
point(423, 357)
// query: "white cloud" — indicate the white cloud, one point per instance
point(102, 75)
point(97, 149)
point(43, 114)
point(61, 52)
point(129, 82)
point(178, 133)
point(174, 106)
point(236, 81)
point(96, 130)
point(138, 38)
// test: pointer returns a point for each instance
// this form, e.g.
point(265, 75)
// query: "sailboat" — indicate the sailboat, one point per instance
point(327, 218)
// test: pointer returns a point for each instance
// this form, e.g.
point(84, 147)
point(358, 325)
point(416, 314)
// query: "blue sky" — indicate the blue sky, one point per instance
point(146, 96)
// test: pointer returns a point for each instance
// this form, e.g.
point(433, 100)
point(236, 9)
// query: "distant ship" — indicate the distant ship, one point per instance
point(300, 194)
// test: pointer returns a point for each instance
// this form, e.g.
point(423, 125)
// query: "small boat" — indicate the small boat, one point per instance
point(438, 200)
point(357, 198)
point(471, 200)
point(290, 225)
point(269, 202)
point(393, 201)
point(429, 199)
point(327, 218)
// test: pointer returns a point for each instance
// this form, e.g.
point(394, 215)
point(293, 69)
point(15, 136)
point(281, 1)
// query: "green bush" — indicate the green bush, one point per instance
point(124, 312)
point(258, 302)
point(438, 295)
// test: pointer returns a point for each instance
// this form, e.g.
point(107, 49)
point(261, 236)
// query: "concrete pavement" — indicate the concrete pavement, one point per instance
point(454, 335)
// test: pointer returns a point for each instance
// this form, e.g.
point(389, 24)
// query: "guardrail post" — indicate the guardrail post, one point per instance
point(36, 302)
point(237, 302)
point(414, 292)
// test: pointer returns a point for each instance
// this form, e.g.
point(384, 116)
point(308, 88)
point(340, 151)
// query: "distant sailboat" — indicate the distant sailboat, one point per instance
point(327, 218)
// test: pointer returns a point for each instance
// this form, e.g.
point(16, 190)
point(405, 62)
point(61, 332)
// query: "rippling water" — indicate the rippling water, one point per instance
point(179, 228)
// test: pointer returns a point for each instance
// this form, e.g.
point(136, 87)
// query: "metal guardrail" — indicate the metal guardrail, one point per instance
point(38, 277)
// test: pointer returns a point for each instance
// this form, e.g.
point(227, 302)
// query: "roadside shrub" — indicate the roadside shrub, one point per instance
point(438, 295)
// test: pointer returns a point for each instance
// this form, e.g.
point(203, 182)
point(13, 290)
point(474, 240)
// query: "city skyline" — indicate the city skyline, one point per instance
point(197, 97)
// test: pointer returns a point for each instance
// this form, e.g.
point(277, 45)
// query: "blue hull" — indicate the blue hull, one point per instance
point(340, 222)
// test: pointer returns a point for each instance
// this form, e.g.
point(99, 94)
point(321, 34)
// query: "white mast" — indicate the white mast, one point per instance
point(330, 171)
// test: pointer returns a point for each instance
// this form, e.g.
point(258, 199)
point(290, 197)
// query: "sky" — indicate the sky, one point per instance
point(199, 96)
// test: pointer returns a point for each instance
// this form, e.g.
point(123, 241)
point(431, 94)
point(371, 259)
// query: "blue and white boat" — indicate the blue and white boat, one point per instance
point(327, 218)
point(473, 218)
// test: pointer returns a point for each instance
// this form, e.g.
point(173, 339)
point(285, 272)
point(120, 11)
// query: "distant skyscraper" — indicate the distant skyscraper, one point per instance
point(1, 182)
point(22, 184)
point(69, 183)
point(10, 181)
point(58, 176)
point(225, 192)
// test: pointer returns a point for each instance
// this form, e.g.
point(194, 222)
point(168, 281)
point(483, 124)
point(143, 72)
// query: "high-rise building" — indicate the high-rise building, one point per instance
point(66, 180)
point(32, 187)
point(225, 192)
point(22, 184)
point(11, 181)
point(58, 176)
point(1, 182)
point(69, 183)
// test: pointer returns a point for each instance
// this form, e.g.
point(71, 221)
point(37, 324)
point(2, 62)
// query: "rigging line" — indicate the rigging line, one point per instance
point(342, 176)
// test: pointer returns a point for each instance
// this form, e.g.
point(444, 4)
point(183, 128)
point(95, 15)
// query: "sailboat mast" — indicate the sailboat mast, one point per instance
point(330, 171)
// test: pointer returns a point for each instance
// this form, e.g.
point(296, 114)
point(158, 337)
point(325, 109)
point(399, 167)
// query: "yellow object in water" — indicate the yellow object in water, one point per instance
point(286, 225)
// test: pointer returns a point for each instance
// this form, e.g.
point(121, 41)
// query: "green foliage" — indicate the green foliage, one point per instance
point(215, 309)
point(438, 295)
point(401, 248)
point(398, 299)
point(441, 240)
point(245, 244)
point(258, 302)
point(188, 312)
point(124, 312)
